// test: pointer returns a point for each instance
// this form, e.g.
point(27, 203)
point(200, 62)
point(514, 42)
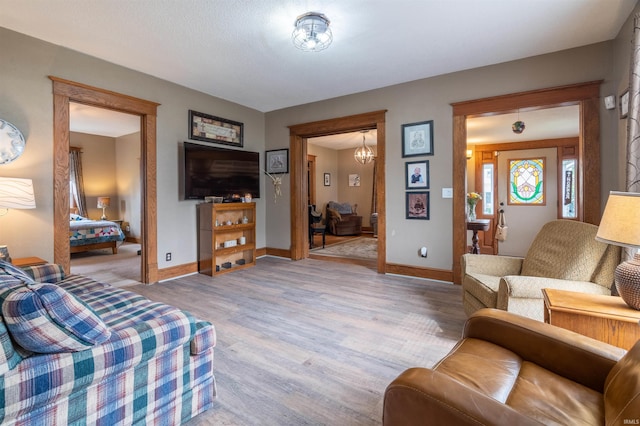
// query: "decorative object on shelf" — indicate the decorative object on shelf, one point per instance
point(327, 179)
point(417, 139)
point(247, 197)
point(16, 193)
point(209, 128)
point(363, 154)
point(472, 200)
point(103, 203)
point(276, 161)
point(417, 206)
point(312, 33)
point(417, 174)
point(619, 226)
point(11, 142)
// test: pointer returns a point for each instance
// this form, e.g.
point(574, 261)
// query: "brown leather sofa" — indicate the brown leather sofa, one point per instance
point(343, 219)
point(512, 370)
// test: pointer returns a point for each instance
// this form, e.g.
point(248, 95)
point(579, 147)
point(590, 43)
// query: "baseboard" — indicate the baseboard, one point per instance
point(420, 272)
point(177, 271)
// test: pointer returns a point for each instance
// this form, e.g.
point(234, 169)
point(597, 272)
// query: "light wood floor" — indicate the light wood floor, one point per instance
point(313, 342)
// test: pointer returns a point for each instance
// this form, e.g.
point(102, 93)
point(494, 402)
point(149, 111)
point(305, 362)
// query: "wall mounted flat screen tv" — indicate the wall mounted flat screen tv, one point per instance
point(220, 172)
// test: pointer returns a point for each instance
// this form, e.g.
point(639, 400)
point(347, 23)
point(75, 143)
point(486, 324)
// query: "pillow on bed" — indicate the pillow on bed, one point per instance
point(44, 318)
point(73, 216)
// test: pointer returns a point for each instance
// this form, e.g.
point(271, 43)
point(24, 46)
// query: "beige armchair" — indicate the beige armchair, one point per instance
point(564, 255)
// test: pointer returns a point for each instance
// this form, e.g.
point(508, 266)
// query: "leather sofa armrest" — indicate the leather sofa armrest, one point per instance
point(486, 264)
point(423, 396)
point(571, 355)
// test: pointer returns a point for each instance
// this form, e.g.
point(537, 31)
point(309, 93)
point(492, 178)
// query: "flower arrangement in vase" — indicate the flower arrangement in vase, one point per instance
point(472, 200)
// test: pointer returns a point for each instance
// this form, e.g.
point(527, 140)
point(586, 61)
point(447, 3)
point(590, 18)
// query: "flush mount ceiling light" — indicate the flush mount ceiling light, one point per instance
point(312, 33)
point(363, 154)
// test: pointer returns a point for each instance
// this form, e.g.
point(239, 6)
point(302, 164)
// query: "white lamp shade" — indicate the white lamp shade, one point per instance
point(620, 224)
point(16, 193)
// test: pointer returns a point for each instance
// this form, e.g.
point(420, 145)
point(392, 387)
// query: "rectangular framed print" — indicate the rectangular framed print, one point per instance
point(327, 179)
point(208, 128)
point(417, 174)
point(417, 139)
point(417, 205)
point(277, 161)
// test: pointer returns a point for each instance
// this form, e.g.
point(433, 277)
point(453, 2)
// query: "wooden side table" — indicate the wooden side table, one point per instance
point(475, 226)
point(28, 261)
point(604, 318)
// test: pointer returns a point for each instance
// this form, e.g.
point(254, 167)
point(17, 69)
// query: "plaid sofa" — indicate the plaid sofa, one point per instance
point(154, 365)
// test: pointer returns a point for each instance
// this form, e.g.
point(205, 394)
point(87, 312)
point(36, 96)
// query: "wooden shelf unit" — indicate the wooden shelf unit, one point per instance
point(215, 230)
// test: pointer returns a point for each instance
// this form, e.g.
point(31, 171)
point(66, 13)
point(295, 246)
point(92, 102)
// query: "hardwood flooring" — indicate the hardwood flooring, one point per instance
point(313, 342)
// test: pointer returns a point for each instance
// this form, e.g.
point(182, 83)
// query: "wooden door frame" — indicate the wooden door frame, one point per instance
point(298, 135)
point(64, 92)
point(586, 95)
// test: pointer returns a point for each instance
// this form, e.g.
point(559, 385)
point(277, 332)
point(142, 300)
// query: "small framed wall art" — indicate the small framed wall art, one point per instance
point(417, 174)
point(327, 179)
point(417, 205)
point(276, 161)
point(417, 139)
point(208, 128)
point(624, 104)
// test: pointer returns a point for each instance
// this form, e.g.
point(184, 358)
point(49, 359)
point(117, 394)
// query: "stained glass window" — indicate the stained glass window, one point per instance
point(526, 181)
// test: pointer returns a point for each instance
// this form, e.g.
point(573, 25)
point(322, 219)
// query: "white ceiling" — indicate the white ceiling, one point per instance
point(241, 50)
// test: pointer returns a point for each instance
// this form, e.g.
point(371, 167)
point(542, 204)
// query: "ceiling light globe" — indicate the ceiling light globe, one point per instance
point(312, 33)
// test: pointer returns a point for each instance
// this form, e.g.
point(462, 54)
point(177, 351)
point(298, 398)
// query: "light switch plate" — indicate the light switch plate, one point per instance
point(447, 192)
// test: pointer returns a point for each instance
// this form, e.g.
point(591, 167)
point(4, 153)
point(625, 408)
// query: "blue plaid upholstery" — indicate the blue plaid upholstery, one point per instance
point(44, 318)
point(155, 368)
point(48, 273)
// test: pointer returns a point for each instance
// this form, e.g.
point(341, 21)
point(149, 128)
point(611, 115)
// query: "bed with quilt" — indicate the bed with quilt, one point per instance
point(86, 234)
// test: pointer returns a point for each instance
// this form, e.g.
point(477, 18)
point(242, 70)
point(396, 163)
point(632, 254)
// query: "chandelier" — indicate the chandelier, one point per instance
point(363, 154)
point(312, 33)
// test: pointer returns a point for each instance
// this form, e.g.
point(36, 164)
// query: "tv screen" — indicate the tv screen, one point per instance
point(220, 172)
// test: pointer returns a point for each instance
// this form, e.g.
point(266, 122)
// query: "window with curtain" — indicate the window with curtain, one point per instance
point(76, 186)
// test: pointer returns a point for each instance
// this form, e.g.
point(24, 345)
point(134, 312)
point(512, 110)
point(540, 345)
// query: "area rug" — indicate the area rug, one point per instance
point(359, 248)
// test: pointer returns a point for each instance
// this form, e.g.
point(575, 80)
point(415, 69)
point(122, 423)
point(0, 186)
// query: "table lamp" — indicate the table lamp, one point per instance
point(15, 193)
point(103, 203)
point(620, 226)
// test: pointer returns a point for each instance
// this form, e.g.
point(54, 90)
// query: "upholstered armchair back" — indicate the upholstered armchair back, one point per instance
point(568, 250)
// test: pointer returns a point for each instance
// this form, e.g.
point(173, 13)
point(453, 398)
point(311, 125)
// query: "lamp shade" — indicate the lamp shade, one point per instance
point(619, 224)
point(16, 193)
point(104, 202)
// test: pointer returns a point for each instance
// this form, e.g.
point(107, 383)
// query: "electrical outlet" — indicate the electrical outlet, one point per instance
point(168, 257)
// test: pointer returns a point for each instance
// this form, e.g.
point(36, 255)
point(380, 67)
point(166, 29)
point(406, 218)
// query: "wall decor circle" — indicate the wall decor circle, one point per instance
point(11, 142)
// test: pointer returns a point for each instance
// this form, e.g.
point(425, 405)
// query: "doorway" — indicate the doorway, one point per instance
point(585, 95)
point(64, 92)
point(298, 135)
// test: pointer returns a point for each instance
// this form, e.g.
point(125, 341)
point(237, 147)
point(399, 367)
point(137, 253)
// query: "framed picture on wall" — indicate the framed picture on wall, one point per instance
point(417, 139)
point(327, 179)
point(417, 205)
point(277, 161)
point(624, 104)
point(209, 128)
point(417, 174)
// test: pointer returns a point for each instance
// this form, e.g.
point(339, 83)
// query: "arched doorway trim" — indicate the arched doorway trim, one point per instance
point(65, 91)
point(586, 95)
point(298, 135)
